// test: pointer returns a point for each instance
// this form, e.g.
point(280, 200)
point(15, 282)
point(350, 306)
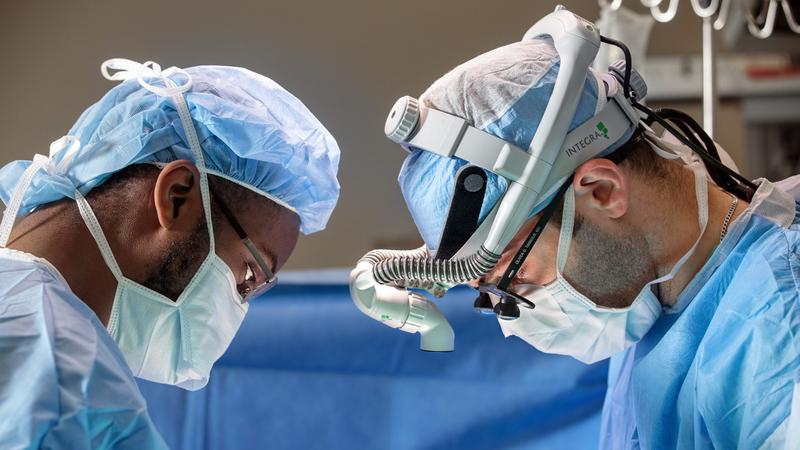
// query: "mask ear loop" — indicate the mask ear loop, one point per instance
point(175, 92)
point(100, 238)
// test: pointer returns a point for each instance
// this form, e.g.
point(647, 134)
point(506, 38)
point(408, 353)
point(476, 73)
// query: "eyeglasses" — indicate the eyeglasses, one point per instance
point(250, 291)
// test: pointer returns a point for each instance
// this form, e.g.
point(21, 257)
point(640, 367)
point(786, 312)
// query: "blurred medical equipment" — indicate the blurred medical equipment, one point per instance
point(536, 179)
point(624, 25)
point(759, 16)
point(763, 25)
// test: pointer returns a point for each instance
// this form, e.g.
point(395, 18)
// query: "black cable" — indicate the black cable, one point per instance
point(721, 178)
point(689, 128)
point(626, 85)
point(707, 158)
point(696, 129)
point(687, 131)
point(710, 155)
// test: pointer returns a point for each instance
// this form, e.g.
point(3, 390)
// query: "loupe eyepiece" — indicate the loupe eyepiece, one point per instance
point(483, 304)
point(508, 306)
point(507, 309)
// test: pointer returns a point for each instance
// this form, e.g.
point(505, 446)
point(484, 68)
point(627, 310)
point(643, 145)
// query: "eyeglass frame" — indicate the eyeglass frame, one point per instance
point(271, 278)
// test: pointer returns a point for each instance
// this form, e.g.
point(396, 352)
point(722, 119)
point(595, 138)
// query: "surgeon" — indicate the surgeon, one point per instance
point(132, 250)
point(690, 289)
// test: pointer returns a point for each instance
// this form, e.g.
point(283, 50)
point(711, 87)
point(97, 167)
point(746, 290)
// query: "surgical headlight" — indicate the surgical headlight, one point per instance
point(533, 180)
point(536, 176)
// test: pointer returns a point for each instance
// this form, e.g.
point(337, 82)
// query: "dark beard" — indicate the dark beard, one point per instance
point(180, 263)
point(608, 269)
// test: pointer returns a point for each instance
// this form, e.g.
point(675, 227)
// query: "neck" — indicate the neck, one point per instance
point(57, 233)
point(676, 230)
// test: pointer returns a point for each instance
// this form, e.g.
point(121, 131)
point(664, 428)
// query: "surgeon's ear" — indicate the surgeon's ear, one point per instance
point(177, 197)
point(601, 188)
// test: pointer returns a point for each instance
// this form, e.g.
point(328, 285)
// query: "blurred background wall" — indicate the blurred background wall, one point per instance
point(348, 60)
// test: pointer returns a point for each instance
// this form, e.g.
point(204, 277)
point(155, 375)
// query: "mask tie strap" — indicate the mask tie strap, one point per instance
point(701, 195)
point(39, 162)
point(672, 151)
point(129, 70)
point(97, 233)
point(567, 227)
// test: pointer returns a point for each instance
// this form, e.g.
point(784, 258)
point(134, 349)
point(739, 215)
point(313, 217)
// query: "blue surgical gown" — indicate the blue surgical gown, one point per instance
point(63, 382)
point(720, 369)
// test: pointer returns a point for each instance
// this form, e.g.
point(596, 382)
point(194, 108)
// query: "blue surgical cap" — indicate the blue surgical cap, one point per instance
point(503, 92)
point(251, 130)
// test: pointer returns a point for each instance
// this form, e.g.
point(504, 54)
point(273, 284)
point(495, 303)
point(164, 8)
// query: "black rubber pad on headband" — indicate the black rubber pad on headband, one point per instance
point(464, 211)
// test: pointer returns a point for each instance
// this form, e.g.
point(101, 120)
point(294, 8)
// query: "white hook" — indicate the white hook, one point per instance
point(763, 31)
point(665, 16)
point(708, 11)
point(790, 20)
point(613, 6)
point(651, 3)
point(722, 18)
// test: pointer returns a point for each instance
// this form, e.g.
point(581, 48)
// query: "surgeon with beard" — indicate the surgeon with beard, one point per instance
point(692, 290)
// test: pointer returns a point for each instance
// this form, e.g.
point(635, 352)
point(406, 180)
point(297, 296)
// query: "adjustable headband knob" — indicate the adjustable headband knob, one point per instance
point(638, 85)
point(402, 120)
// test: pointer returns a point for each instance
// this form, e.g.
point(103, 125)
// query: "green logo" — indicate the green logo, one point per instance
point(602, 127)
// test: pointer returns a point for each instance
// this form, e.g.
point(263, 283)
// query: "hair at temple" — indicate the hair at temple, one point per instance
point(115, 193)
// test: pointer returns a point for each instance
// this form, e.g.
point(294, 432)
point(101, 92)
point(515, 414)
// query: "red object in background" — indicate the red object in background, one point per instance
point(756, 72)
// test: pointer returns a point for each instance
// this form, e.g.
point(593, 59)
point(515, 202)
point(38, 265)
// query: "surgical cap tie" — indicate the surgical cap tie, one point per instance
point(72, 144)
point(129, 70)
